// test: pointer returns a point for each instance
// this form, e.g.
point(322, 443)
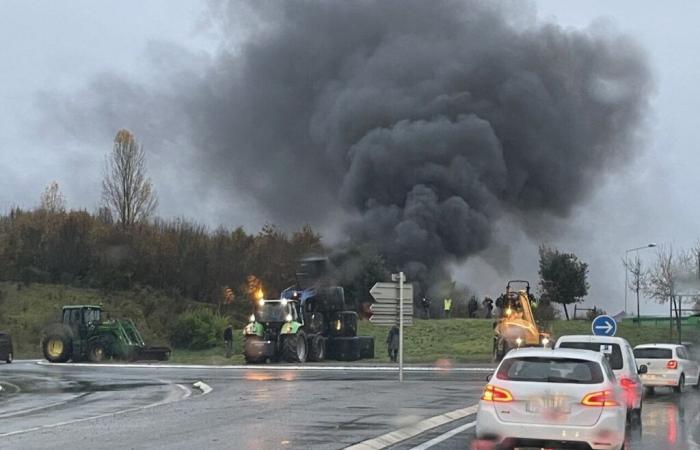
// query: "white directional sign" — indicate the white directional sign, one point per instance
point(386, 309)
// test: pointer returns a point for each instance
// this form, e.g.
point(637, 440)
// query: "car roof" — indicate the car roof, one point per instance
point(592, 338)
point(539, 352)
point(668, 346)
point(82, 306)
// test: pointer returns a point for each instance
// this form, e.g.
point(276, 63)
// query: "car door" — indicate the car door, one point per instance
point(690, 367)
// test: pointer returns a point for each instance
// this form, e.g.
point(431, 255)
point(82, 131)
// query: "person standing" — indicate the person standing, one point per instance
point(228, 340)
point(425, 303)
point(392, 342)
point(447, 305)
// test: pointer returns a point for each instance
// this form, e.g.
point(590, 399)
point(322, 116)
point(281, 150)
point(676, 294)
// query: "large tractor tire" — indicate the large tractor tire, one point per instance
point(317, 349)
point(366, 347)
point(57, 347)
point(344, 348)
point(500, 348)
point(294, 347)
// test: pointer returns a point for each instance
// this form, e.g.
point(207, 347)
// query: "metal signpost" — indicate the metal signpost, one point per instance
point(604, 326)
point(394, 306)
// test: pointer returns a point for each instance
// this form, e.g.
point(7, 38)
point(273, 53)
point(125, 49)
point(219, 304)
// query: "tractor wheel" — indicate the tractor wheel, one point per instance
point(317, 350)
point(57, 348)
point(500, 349)
point(97, 352)
point(294, 347)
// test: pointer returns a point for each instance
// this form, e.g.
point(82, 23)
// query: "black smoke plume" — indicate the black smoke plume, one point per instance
point(410, 124)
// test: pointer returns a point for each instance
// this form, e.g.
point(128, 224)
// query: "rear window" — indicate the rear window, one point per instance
point(550, 370)
point(653, 353)
point(612, 351)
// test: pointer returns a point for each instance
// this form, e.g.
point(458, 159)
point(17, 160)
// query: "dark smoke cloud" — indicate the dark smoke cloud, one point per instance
point(423, 121)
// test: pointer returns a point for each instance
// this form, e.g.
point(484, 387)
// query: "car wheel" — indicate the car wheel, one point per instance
point(681, 385)
point(9, 358)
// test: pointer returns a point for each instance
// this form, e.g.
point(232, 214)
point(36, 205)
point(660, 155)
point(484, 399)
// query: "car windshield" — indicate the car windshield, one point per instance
point(272, 312)
point(551, 370)
point(653, 353)
point(612, 351)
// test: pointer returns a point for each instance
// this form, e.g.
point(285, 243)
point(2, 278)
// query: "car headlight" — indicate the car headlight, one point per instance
point(288, 318)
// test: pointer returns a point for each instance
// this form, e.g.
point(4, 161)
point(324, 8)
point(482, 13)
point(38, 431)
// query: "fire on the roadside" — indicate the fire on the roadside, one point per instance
point(255, 288)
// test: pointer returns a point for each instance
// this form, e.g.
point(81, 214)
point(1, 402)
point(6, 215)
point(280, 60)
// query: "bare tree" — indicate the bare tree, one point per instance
point(52, 200)
point(638, 278)
point(126, 190)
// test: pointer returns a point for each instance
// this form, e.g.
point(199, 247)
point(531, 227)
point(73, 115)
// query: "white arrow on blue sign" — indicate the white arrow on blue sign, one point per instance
point(604, 326)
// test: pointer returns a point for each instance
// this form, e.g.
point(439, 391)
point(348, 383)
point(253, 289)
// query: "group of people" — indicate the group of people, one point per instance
point(473, 308)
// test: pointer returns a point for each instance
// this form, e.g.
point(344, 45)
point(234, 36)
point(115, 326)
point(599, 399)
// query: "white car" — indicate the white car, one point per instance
point(667, 365)
point(541, 397)
point(621, 358)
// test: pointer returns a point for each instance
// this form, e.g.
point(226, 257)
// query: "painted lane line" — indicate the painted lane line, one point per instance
point(402, 434)
point(282, 368)
point(100, 416)
point(202, 386)
point(444, 436)
point(21, 412)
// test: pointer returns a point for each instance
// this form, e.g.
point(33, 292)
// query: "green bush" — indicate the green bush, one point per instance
point(198, 330)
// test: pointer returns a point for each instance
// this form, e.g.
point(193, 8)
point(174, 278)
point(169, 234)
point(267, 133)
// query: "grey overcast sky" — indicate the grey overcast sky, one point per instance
point(46, 47)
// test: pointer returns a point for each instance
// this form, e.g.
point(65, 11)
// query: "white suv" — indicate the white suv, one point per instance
point(621, 358)
point(667, 365)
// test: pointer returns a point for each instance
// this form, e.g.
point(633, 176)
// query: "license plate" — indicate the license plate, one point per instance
point(549, 404)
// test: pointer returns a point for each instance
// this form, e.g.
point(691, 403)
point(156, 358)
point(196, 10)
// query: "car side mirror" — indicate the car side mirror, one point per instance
point(642, 369)
point(488, 377)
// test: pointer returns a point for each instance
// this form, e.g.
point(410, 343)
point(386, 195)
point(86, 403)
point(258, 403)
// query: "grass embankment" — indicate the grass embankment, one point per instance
point(24, 311)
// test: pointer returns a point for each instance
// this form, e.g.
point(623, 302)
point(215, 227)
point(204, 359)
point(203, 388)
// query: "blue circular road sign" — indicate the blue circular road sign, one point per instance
point(604, 326)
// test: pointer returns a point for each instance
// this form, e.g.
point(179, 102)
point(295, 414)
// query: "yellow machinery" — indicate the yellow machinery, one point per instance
point(515, 324)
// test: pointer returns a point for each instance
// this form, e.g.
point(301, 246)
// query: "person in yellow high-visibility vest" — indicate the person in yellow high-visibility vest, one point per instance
point(448, 307)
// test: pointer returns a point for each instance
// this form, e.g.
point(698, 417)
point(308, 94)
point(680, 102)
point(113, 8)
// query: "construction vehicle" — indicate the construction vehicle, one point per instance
point(310, 321)
point(82, 335)
point(515, 324)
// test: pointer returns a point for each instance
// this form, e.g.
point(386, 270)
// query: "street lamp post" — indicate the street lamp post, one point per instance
point(627, 272)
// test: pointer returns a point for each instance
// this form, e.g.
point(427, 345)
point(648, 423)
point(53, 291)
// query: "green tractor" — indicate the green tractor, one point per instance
point(84, 336)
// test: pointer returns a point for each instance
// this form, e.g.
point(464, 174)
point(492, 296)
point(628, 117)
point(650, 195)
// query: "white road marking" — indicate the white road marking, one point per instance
point(202, 386)
point(394, 437)
point(37, 408)
point(444, 436)
point(284, 367)
point(100, 416)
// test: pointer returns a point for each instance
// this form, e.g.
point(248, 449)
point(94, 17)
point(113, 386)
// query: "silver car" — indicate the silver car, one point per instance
point(552, 398)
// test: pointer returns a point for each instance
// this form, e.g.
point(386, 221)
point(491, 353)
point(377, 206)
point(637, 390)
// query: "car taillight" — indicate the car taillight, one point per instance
point(672, 364)
point(627, 383)
point(600, 398)
point(496, 394)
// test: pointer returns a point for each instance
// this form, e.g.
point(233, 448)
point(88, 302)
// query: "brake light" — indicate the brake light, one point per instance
point(672, 364)
point(627, 383)
point(600, 398)
point(496, 394)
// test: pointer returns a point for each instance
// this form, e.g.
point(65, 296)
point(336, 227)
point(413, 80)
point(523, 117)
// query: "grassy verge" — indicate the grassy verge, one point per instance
point(25, 310)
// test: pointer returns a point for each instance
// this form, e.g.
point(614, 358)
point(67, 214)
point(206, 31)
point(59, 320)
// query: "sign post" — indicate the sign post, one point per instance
point(394, 306)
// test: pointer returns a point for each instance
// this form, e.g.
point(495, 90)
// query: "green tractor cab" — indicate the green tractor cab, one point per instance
point(276, 331)
point(84, 335)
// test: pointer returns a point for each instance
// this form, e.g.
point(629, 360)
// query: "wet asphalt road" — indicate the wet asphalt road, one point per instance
point(54, 406)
